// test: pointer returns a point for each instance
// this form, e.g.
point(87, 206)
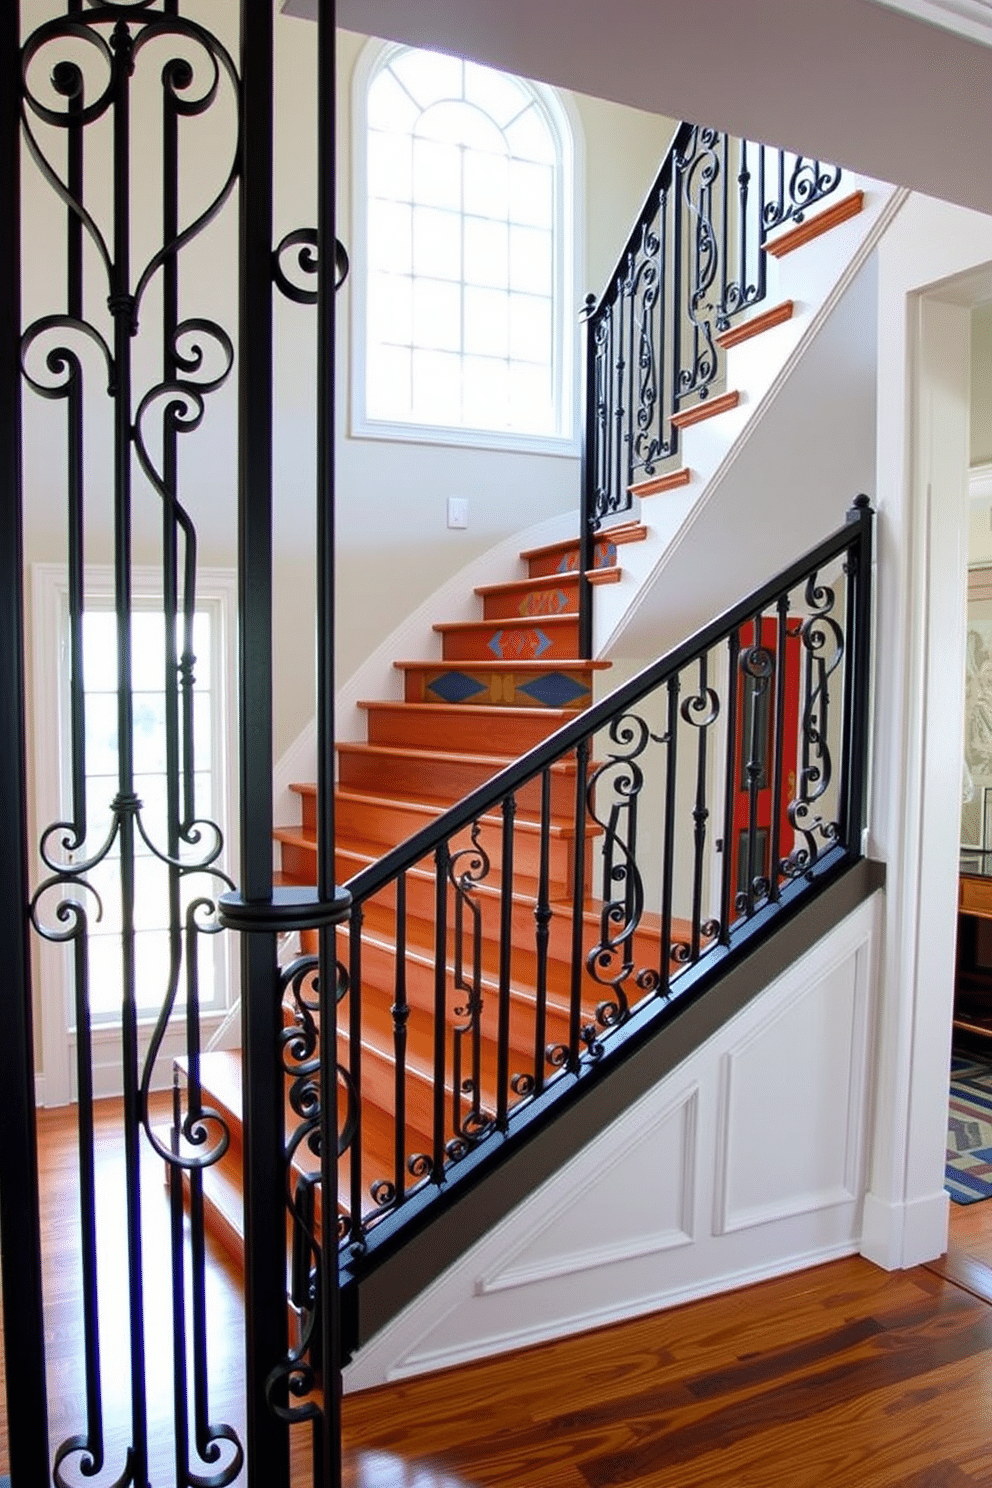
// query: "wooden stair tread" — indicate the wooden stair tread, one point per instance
point(539, 581)
point(813, 227)
point(556, 828)
point(623, 532)
point(521, 622)
point(707, 408)
point(481, 709)
point(573, 663)
point(399, 751)
point(756, 325)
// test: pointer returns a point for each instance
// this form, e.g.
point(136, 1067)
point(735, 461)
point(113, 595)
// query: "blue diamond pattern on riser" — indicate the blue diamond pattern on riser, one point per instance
point(554, 690)
point(456, 687)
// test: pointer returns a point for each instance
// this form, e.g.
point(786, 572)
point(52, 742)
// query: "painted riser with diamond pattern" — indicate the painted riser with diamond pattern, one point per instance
point(554, 638)
point(512, 685)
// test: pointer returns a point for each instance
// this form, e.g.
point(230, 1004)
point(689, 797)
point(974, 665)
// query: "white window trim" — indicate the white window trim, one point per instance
point(216, 588)
point(569, 240)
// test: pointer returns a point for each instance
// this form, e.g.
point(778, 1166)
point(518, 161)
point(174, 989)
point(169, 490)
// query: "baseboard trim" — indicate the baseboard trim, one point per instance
point(897, 1235)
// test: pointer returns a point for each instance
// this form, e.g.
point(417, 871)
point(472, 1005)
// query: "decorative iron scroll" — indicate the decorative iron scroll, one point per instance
point(695, 260)
point(84, 75)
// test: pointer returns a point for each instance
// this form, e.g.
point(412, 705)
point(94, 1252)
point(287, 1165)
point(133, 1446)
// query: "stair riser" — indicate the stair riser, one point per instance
point(461, 728)
point(568, 687)
point(444, 780)
point(387, 826)
point(512, 643)
point(523, 603)
point(567, 561)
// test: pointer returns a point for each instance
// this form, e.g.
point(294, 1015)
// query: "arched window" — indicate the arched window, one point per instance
point(465, 318)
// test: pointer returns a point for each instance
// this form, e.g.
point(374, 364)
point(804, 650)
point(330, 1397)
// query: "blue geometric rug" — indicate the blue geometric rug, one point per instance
point(968, 1175)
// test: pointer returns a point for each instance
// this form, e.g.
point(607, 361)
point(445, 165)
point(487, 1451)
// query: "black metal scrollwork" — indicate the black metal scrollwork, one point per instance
point(822, 640)
point(81, 69)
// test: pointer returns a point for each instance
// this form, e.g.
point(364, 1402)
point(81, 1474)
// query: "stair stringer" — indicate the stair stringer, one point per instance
point(703, 1182)
point(726, 511)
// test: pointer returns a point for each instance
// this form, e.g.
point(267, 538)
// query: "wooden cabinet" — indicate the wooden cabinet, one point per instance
point(973, 974)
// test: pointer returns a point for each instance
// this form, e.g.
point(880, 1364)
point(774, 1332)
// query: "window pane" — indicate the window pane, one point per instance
point(437, 243)
point(390, 236)
point(149, 731)
point(529, 138)
point(487, 321)
point(390, 166)
point(101, 733)
point(460, 124)
point(390, 106)
point(531, 398)
point(487, 184)
point(437, 174)
point(388, 382)
point(437, 387)
point(530, 329)
point(437, 309)
point(530, 260)
point(486, 253)
point(390, 308)
point(148, 649)
point(486, 392)
point(428, 76)
point(100, 651)
point(531, 189)
point(498, 95)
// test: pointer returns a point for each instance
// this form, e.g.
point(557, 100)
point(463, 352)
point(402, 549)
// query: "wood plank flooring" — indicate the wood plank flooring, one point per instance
point(843, 1375)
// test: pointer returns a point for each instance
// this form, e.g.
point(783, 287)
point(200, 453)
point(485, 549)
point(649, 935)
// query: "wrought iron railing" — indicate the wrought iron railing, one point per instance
point(584, 894)
point(694, 261)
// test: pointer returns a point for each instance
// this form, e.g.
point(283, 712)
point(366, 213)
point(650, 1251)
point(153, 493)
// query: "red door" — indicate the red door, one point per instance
point(753, 820)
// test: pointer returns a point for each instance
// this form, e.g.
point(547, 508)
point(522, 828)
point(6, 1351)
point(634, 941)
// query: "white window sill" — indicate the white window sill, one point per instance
point(566, 446)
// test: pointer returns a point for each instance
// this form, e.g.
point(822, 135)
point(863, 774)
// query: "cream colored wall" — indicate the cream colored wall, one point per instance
point(980, 419)
point(981, 385)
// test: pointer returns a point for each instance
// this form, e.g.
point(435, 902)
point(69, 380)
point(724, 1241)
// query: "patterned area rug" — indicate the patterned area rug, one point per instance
point(969, 1130)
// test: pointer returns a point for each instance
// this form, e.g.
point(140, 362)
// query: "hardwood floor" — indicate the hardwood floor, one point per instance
point(844, 1375)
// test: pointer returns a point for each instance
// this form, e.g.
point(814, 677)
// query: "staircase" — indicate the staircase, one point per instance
point(515, 923)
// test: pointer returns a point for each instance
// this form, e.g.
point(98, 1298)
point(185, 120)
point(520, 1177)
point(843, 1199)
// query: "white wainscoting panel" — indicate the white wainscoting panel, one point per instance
point(747, 1161)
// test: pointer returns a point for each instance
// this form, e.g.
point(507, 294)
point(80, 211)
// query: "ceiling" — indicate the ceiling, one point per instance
point(852, 81)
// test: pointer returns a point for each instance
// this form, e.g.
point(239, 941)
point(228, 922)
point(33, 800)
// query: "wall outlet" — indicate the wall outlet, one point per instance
point(457, 511)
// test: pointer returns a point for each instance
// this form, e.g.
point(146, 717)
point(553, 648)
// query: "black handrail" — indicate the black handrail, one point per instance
point(764, 710)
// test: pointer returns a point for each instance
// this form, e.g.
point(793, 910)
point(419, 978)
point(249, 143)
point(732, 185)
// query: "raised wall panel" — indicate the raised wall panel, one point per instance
point(791, 1105)
point(638, 1200)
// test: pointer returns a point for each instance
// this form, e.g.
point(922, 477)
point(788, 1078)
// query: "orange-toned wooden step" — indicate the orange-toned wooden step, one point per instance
point(437, 775)
point(374, 824)
point(814, 227)
point(554, 594)
point(563, 557)
point(551, 638)
point(478, 729)
point(517, 684)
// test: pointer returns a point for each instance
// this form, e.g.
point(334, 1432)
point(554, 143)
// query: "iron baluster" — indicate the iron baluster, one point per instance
point(356, 982)
point(442, 860)
point(569, 1057)
point(700, 709)
point(542, 934)
point(400, 1014)
point(730, 785)
point(781, 663)
point(508, 811)
point(670, 741)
